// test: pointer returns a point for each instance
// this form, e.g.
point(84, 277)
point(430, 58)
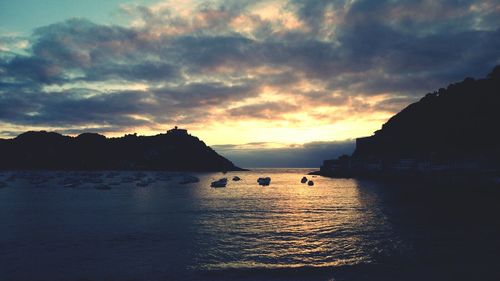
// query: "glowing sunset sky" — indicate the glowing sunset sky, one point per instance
point(275, 73)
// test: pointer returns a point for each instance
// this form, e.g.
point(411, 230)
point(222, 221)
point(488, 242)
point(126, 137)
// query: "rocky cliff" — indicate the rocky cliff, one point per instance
point(453, 130)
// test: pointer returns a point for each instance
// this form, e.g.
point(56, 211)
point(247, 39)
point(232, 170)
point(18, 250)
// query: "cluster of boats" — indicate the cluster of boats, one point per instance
point(263, 181)
point(305, 180)
point(223, 182)
point(99, 180)
point(104, 181)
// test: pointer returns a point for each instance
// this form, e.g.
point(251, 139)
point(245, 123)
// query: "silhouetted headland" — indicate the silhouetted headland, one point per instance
point(175, 150)
point(451, 132)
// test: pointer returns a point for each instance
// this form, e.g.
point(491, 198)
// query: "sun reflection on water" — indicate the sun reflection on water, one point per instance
point(287, 224)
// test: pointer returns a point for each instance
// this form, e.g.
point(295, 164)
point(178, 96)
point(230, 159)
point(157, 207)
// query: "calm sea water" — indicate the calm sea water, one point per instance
point(338, 229)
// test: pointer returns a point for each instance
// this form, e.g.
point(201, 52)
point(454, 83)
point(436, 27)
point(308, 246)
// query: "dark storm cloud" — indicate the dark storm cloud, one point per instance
point(83, 106)
point(89, 52)
point(408, 45)
point(72, 107)
point(313, 12)
point(196, 63)
point(213, 51)
point(80, 43)
point(32, 68)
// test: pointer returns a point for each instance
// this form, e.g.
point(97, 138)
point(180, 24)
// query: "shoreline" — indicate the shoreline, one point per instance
point(451, 178)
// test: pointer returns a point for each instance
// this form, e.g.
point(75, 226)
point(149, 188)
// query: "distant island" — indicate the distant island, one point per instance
point(453, 131)
point(176, 150)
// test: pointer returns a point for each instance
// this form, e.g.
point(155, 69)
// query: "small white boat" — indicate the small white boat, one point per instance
point(310, 183)
point(303, 180)
point(70, 185)
point(264, 181)
point(68, 181)
point(219, 183)
point(236, 178)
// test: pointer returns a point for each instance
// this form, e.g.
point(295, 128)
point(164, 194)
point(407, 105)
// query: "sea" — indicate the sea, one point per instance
point(92, 226)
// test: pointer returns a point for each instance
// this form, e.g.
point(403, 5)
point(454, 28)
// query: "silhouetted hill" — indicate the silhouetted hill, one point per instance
point(461, 121)
point(456, 128)
point(174, 151)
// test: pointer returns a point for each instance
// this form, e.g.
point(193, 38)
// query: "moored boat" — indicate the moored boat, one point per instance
point(219, 183)
point(264, 181)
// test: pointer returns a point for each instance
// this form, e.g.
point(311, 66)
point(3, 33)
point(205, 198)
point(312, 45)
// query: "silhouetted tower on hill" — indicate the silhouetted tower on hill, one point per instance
point(177, 132)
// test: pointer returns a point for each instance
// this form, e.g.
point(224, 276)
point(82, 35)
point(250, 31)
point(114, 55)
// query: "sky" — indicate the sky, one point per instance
point(264, 82)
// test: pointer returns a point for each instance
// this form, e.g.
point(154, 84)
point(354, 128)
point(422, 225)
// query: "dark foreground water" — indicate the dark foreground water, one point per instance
point(336, 230)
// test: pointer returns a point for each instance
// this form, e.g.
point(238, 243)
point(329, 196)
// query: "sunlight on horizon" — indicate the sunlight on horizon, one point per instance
point(240, 133)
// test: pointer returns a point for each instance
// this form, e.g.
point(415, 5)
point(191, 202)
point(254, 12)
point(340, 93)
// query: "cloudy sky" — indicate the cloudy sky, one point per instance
point(291, 76)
